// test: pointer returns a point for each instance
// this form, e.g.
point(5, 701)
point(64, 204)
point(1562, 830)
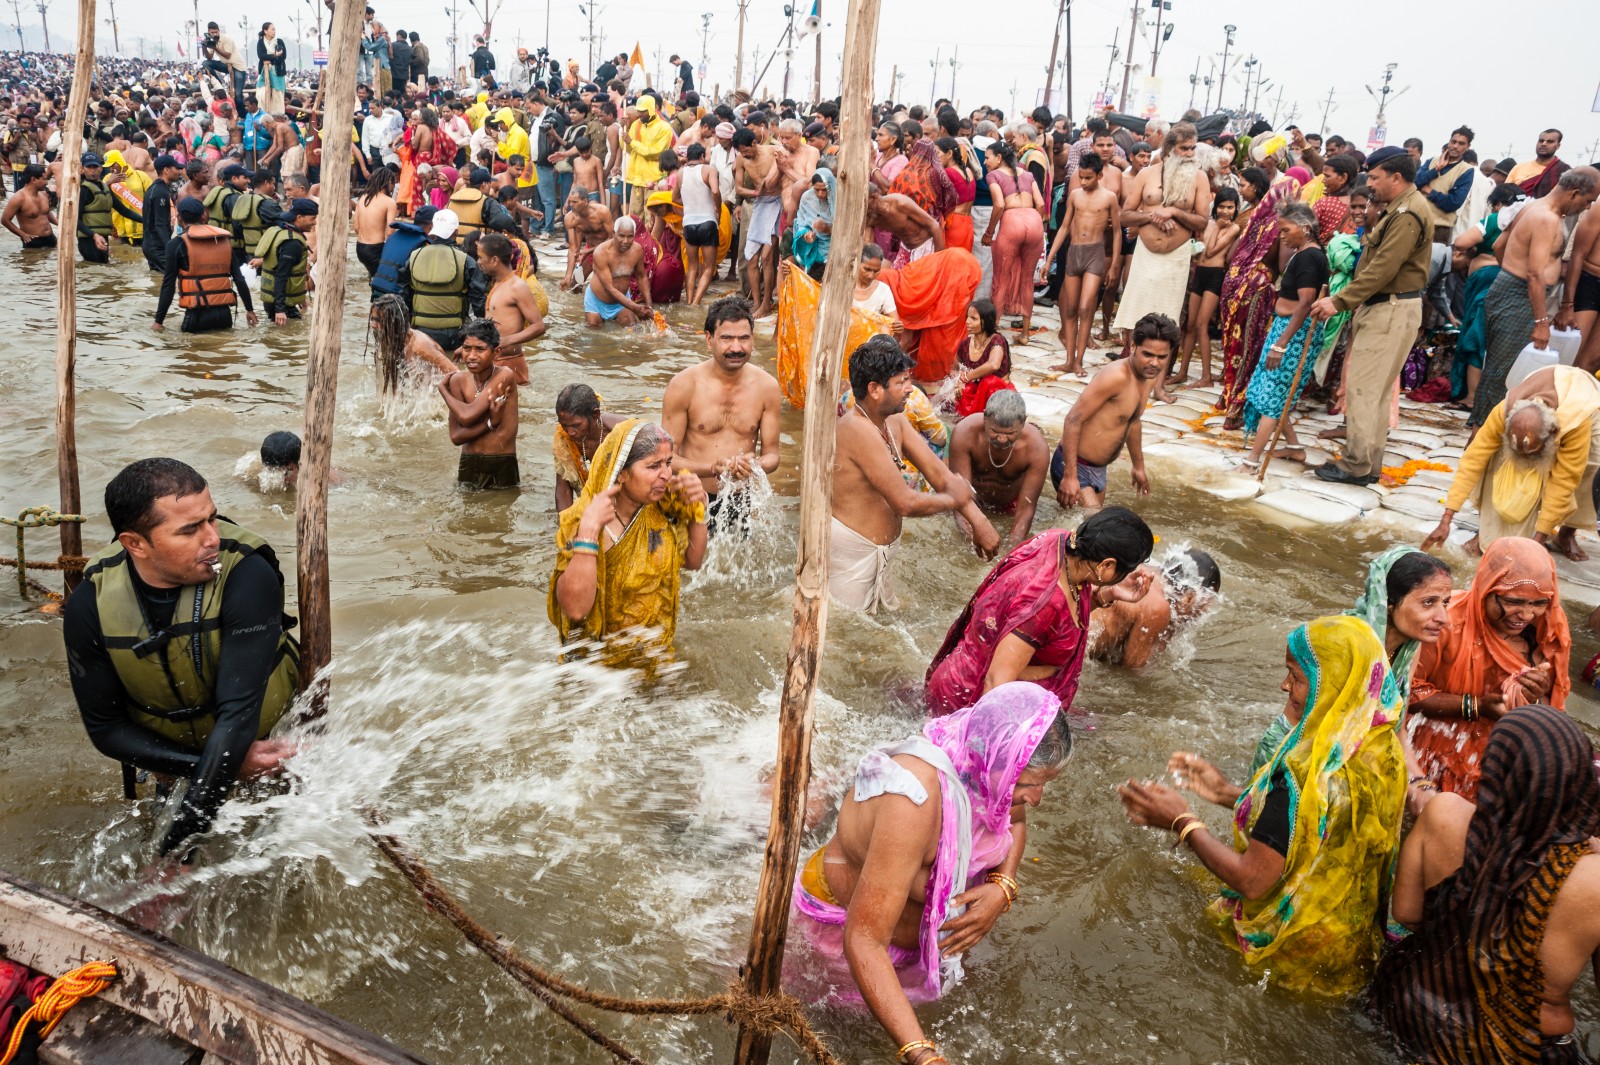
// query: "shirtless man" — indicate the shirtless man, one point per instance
point(900, 215)
point(616, 263)
point(198, 183)
point(283, 139)
point(138, 155)
point(28, 213)
point(870, 494)
point(1131, 634)
point(588, 226)
point(1005, 458)
point(1092, 212)
point(509, 304)
point(398, 347)
point(1580, 299)
point(587, 173)
point(1530, 257)
point(724, 412)
point(375, 212)
point(1107, 415)
point(757, 178)
point(482, 400)
point(797, 161)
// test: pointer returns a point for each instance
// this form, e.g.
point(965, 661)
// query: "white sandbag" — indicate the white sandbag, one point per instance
point(1319, 510)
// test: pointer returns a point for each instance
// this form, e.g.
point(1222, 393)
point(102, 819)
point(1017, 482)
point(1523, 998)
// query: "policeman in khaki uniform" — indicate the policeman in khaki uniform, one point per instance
point(178, 647)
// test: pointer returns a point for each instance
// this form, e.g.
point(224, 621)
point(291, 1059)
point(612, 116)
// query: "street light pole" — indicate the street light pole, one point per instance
point(44, 23)
point(1222, 78)
point(1127, 59)
point(933, 87)
point(1055, 44)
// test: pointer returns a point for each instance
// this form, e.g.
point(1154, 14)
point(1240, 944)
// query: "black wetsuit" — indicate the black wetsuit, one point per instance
point(196, 319)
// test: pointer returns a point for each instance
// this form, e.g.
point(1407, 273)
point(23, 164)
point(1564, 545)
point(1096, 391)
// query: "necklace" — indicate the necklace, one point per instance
point(888, 439)
point(1001, 465)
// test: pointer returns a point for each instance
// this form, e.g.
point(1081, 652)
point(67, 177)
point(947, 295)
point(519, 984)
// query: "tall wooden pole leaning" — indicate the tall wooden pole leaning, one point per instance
point(763, 965)
point(322, 368)
point(67, 291)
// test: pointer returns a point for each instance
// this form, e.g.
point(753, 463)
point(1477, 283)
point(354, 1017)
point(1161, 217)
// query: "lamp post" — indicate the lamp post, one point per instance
point(1227, 43)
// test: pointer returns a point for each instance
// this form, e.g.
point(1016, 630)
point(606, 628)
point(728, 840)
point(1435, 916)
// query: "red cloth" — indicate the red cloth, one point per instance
point(975, 395)
point(931, 296)
point(958, 231)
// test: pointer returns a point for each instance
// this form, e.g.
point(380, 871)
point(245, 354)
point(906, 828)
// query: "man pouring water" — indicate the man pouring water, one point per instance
point(177, 643)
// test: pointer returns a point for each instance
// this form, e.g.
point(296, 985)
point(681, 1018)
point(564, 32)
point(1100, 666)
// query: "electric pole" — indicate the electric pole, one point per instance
point(1249, 68)
point(454, 11)
point(738, 53)
point(299, 41)
point(1382, 95)
point(1067, 78)
point(1055, 44)
point(954, 66)
point(1222, 78)
point(1327, 106)
point(1277, 107)
point(116, 40)
point(1194, 83)
point(1105, 86)
point(705, 41)
point(816, 72)
point(44, 23)
point(933, 87)
point(316, 9)
point(1161, 6)
point(16, 10)
point(1127, 58)
point(244, 29)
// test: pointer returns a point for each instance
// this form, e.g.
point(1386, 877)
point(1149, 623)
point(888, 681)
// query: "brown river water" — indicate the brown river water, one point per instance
point(612, 831)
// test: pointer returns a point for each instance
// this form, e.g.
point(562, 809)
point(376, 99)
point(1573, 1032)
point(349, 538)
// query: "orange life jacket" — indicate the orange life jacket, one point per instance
point(208, 279)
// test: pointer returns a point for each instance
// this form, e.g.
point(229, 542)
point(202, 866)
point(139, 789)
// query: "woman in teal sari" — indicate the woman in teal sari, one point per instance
point(813, 224)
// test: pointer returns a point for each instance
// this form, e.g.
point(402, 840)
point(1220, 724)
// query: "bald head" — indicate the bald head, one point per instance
point(1530, 427)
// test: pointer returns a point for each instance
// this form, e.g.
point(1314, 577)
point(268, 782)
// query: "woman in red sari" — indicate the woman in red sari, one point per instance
point(431, 145)
point(958, 223)
point(923, 178)
point(1247, 295)
point(663, 248)
point(1029, 619)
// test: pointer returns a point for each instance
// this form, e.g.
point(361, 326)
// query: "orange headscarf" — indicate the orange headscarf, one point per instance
point(1512, 565)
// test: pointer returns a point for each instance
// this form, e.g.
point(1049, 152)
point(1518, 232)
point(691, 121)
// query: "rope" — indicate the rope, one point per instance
point(48, 1009)
point(767, 1015)
point(39, 518)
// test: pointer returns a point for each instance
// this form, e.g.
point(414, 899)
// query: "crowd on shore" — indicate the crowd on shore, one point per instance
point(1419, 819)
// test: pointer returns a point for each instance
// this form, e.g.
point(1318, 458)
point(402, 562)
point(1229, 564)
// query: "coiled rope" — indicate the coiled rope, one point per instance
point(39, 518)
point(48, 1009)
point(767, 1015)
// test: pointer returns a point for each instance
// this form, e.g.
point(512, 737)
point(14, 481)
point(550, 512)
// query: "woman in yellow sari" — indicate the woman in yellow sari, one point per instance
point(622, 544)
point(1305, 881)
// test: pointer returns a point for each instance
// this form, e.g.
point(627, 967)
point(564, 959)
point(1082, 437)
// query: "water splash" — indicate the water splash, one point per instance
point(757, 553)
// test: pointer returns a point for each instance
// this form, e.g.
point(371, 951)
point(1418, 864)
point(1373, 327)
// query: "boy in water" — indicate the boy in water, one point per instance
point(280, 452)
point(1092, 211)
point(482, 400)
point(1131, 634)
point(1205, 288)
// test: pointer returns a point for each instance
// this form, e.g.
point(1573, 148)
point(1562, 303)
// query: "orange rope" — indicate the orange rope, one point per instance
point(83, 982)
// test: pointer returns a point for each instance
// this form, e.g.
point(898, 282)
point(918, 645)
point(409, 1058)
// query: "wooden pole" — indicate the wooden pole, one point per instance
point(322, 368)
point(71, 194)
point(1055, 44)
point(763, 965)
point(1288, 404)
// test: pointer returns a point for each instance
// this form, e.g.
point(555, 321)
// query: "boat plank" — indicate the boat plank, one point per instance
point(198, 999)
point(97, 1033)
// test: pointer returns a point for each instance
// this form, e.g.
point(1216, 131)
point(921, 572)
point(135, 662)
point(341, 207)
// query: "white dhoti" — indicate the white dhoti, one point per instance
point(858, 570)
point(1156, 284)
point(981, 251)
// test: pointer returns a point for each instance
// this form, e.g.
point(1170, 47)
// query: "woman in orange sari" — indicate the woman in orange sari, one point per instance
point(1507, 645)
point(958, 223)
point(931, 296)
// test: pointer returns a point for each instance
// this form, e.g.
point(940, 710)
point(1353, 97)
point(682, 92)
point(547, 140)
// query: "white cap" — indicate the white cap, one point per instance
point(445, 224)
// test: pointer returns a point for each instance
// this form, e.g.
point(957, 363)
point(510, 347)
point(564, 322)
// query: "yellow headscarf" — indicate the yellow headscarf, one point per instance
point(636, 578)
point(1345, 772)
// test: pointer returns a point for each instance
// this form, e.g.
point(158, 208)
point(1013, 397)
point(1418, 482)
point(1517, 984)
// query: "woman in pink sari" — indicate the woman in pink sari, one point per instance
point(431, 145)
point(1247, 295)
point(1029, 619)
point(873, 897)
point(663, 248)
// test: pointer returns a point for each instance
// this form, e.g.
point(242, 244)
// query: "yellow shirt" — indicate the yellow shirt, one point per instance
point(475, 115)
point(515, 142)
point(645, 145)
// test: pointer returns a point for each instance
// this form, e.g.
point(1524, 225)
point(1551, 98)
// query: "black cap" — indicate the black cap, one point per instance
point(231, 172)
point(1505, 166)
point(192, 208)
point(301, 206)
point(165, 161)
point(91, 159)
point(1388, 152)
point(479, 176)
point(424, 215)
point(815, 128)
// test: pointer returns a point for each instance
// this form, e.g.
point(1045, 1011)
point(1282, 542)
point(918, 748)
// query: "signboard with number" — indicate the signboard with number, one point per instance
point(319, 57)
point(1375, 138)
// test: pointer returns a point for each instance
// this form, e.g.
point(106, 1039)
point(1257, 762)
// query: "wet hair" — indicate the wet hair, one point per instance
point(483, 329)
point(1409, 572)
point(496, 244)
point(729, 309)
point(1055, 746)
point(1116, 533)
point(646, 443)
point(988, 316)
point(1222, 196)
point(743, 138)
point(381, 181)
point(874, 362)
point(694, 153)
point(1191, 565)
point(579, 399)
point(280, 449)
point(1095, 165)
point(131, 495)
point(391, 328)
point(1154, 326)
point(1006, 408)
point(1579, 179)
point(196, 168)
point(1257, 177)
point(871, 252)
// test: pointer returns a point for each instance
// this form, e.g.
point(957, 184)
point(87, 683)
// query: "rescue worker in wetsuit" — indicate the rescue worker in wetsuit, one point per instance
point(284, 259)
point(476, 207)
point(251, 214)
point(202, 273)
point(96, 205)
point(442, 285)
point(406, 235)
point(157, 212)
point(177, 644)
point(219, 198)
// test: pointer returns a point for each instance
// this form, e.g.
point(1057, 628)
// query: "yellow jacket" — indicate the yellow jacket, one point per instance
point(515, 142)
point(476, 114)
point(645, 145)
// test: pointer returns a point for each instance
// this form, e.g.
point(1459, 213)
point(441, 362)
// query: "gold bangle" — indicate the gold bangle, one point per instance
point(912, 1047)
point(1007, 885)
point(1189, 830)
point(1174, 826)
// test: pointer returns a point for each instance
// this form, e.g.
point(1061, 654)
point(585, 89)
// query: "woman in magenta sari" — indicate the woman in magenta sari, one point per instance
point(1247, 295)
point(663, 247)
point(906, 886)
point(1029, 619)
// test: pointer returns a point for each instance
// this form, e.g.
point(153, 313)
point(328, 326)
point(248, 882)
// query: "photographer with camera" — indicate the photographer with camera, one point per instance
point(226, 60)
point(524, 72)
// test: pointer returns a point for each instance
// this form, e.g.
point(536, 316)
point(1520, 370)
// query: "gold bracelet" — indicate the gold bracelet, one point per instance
point(912, 1047)
point(1174, 826)
point(1007, 885)
point(1189, 830)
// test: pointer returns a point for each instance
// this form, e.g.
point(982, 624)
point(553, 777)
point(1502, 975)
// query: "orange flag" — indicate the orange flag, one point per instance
point(637, 59)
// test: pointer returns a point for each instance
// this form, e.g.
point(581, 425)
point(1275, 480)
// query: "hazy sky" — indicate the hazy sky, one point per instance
point(1451, 70)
